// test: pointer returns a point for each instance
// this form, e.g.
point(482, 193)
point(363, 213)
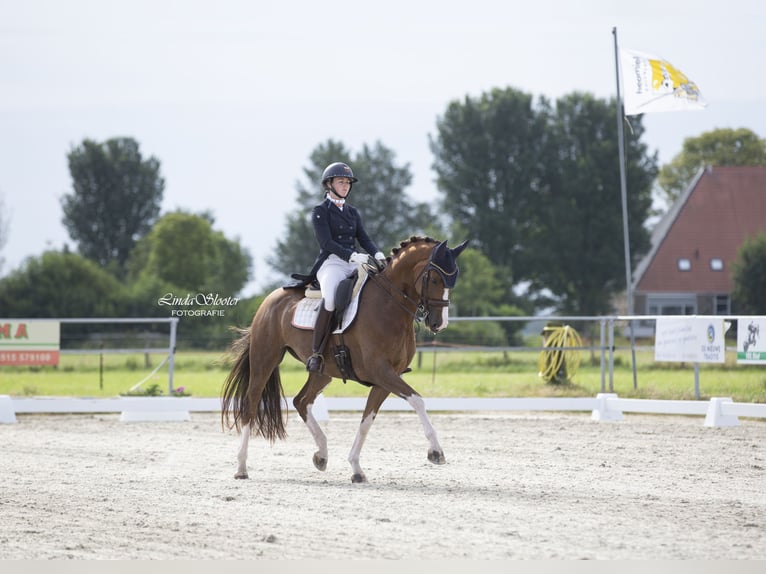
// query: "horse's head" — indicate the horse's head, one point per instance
point(436, 278)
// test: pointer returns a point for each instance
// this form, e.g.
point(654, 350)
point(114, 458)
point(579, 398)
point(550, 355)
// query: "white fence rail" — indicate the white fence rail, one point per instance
point(718, 411)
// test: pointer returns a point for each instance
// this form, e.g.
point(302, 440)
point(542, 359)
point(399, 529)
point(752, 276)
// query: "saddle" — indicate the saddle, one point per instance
point(346, 300)
point(346, 305)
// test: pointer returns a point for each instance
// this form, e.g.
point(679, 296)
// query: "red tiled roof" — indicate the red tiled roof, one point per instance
point(721, 208)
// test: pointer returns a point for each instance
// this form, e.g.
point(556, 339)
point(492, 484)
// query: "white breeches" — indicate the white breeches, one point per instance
point(333, 271)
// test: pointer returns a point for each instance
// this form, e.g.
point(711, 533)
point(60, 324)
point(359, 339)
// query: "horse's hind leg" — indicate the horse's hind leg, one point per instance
point(303, 403)
point(374, 400)
point(242, 452)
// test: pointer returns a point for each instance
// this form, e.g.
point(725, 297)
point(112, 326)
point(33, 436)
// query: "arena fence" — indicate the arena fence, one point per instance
point(606, 406)
point(718, 411)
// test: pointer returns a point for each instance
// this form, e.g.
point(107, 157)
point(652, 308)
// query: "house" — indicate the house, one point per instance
point(688, 270)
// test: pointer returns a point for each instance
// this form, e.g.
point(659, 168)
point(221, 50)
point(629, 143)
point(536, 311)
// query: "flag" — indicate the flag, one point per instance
point(652, 84)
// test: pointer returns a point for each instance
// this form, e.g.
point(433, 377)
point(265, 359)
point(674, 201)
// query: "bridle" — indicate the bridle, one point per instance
point(427, 304)
point(421, 309)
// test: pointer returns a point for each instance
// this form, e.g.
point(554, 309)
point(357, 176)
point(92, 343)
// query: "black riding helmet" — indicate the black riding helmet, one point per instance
point(337, 169)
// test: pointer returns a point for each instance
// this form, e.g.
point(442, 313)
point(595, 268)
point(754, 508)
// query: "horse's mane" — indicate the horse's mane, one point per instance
point(410, 241)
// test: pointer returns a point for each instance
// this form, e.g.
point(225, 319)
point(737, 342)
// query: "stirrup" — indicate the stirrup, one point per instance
point(315, 363)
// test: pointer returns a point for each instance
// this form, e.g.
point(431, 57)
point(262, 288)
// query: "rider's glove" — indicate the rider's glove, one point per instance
point(380, 259)
point(358, 258)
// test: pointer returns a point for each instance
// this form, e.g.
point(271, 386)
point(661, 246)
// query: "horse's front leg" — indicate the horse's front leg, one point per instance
point(374, 400)
point(303, 403)
point(242, 452)
point(398, 386)
point(435, 452)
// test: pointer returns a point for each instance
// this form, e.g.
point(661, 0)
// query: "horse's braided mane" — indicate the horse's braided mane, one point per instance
point(410, 241)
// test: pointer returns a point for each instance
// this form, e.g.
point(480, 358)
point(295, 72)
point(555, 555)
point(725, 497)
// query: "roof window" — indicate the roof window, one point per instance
point(716, 264)
point(684, 264)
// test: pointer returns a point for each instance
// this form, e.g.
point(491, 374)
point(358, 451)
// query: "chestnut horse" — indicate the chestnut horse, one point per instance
point(415, 284)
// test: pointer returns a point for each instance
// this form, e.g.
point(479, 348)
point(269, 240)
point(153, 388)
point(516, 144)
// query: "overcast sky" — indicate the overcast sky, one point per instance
point(232, 96)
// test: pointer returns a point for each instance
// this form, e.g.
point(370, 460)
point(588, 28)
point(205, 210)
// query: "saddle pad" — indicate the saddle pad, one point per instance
point(307, 309)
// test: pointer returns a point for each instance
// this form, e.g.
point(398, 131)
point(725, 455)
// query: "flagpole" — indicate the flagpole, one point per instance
point(624, 193)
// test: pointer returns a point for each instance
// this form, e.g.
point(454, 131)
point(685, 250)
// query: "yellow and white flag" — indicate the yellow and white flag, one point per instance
point(652, 84)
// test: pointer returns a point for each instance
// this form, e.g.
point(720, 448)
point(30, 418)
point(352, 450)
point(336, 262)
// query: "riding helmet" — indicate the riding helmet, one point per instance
point(337, 169)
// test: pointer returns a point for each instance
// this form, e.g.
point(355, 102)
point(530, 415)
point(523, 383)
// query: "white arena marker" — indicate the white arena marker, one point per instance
point(715, 416)
point(7, 412)
point(602, 412)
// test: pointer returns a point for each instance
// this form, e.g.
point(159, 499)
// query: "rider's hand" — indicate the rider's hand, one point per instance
point(358, 258)
point(380, 259)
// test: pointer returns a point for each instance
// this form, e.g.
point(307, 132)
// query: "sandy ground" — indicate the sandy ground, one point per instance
point(515, 486)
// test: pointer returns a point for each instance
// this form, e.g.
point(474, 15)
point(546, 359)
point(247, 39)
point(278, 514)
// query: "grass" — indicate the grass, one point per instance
point(444, 374)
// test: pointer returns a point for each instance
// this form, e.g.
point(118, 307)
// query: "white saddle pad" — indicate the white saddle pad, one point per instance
point(306, 311)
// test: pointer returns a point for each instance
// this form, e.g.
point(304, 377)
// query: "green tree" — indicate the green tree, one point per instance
point(389, 215)
point(61, 285)
point(183, 251)
point(749, 276)
point(183, 256)
point(489, 161)
point(479, 292)
point(719, 147)
point(538, 190)
point(579, 246)
point(115, 199)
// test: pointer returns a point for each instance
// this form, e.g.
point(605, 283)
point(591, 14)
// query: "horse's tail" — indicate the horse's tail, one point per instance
point(236, 409)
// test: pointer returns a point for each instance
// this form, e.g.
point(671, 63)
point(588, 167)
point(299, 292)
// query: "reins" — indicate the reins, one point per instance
point(419, 314)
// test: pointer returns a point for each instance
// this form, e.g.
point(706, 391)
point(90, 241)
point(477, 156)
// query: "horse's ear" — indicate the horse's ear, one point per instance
point(441, 246)
point(459, 249)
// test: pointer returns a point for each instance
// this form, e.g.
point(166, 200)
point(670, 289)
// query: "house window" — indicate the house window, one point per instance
point(684, 264)
point(716, 264)
point(671, 306)
point(722, 305)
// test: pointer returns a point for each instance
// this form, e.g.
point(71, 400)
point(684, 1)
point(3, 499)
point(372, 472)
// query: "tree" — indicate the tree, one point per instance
point(60, 284)
point(389, 215)
point(184, 252)
point(115, 199)
point(479, 292)
point(579, 241)
point(749, 276)
point(183, 257)
point(719, 147)
point(538, 190)
point(490, 161)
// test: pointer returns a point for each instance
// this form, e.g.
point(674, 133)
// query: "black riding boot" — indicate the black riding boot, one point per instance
point(322, 329)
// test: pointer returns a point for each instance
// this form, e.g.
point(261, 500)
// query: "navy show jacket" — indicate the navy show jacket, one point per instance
point(337, 232)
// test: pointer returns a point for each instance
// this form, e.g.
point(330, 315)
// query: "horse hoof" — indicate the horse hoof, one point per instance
point(436, 457)
point(320, 462)
point(241, 475)
point(358, 478)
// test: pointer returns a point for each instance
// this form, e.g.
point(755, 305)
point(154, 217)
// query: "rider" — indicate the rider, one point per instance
point(337, 227)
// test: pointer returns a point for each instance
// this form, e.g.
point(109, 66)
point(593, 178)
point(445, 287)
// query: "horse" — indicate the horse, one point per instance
point(413, 286)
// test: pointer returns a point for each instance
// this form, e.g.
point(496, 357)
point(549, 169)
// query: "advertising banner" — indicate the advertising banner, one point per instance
point(751, 340)
point(29, 342)
point(690, 339)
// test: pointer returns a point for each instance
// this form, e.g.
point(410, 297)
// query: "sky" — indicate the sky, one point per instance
point(232, 96)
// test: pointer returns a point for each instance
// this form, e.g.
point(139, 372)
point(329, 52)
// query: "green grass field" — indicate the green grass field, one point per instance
point(443, 374)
